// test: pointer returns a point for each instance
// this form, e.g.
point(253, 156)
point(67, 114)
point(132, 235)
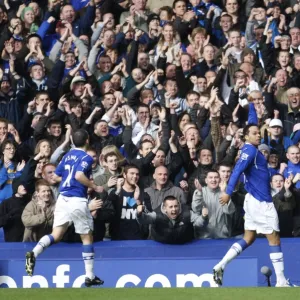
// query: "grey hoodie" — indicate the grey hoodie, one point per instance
point(157, 196)
point(219, 224)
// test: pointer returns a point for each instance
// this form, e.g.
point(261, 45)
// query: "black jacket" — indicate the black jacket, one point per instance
point(178, 232)
point(10, 218)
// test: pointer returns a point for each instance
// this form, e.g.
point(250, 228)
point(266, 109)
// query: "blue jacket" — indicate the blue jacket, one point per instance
point(80, 25)
point(292, 169)
point(273, 171)
point(287, 142)
point(6, 178)
point(255, 168)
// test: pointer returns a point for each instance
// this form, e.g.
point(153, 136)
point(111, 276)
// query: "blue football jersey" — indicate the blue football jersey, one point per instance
point(76, 160)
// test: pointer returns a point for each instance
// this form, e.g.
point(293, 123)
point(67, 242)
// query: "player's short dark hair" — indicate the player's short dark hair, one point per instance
point(247, 128)
point(79, 137)
point(130, 166)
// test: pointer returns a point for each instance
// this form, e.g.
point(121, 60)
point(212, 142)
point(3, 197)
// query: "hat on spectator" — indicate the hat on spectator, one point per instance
point(77, 79)
point(275, 122)
point(152, 17)
point(18, 38)
point(33, 63)
point(16, 183)
point(25, 10)
point(265, 147)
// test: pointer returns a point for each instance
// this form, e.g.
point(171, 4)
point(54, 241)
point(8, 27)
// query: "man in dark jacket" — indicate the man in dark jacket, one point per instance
point(172, 222)
point(11, 211)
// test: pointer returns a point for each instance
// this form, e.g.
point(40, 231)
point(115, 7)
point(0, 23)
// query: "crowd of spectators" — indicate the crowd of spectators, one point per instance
point(164, 88)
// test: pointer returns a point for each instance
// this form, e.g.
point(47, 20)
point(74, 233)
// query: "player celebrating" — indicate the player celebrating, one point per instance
point(72, 206)
point(260, 213)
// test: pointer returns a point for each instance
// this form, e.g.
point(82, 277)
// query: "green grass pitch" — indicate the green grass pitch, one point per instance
point(152, 294)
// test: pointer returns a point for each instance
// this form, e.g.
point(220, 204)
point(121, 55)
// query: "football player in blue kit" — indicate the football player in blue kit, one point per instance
point(73, 173)
point(260, 214)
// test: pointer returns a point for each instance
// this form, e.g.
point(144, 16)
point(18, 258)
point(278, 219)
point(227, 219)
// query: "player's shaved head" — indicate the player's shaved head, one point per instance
point(80, 137)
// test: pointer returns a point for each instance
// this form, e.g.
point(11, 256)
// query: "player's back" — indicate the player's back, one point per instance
point(76, 160)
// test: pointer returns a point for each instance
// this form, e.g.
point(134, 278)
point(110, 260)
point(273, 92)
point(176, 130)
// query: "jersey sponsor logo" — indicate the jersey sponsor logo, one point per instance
point(244, 156)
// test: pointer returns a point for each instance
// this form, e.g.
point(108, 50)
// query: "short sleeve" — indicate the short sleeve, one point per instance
point(85, 164)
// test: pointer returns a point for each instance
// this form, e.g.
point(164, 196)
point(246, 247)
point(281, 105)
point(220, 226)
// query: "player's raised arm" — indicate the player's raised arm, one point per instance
point(246, 159)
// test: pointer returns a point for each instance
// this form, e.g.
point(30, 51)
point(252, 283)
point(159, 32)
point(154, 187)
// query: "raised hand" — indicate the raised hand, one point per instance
point(21, 165)
point(162, 113)
point(198, 186)
point(68, 132)
point(288, 183)
point(137, 193)
point(184, 185)
point(95, 204)
point(120, 183)
point(112, 181)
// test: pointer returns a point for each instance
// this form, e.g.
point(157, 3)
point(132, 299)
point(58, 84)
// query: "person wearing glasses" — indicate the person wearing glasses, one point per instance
point(10, 168)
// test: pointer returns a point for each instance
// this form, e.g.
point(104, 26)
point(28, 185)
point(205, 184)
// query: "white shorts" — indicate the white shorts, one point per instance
point(73, 210)
point(260, 216)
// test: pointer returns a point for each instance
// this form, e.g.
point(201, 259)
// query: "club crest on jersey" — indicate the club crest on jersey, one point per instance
point(244, 156)
point(84, 164)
